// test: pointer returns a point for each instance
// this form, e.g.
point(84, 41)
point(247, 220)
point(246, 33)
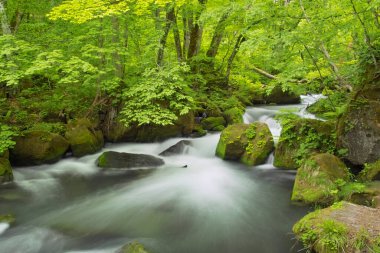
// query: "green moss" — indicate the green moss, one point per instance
point(6, 174)
point(8, 218)
point(211, 123)
point(233, 116)
point(133, 247)
point(102, 160)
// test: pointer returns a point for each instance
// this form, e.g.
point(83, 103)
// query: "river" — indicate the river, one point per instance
point(211, 206)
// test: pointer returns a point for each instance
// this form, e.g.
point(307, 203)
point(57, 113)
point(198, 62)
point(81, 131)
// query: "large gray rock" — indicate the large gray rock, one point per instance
point(111, 159)
point(359, 128)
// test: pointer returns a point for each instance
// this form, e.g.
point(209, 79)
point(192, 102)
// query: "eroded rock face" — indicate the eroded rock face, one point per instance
point(176, 149)
point(250, 144)
point(315, 180)
point(343, 227)
point(83, 137)
point(38, 147)
point(359, 128)
point(116, 160)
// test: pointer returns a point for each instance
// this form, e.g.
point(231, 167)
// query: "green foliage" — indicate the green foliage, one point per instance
point(333, 237)
point(6, 137)
point(161, 95)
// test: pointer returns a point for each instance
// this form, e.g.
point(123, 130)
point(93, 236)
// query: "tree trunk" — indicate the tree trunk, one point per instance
point(5, 27)
point(238, 43)
point(177, 39)
point(196, 33)
point(164, 37)
point(116, 41)
point(16, 21)
point(218, 35)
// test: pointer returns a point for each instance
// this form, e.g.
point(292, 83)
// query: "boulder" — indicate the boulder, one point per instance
point(198, 131)
point(83, 138)
point(213, 123)
point(250, 144)
point(316, 179)
point(370, 172)
point(358, 129)
point(301, 138)
point(343, 227)
point(111, 159)
point(118, 132)
point(133, 247)
point(38, 147)
point(233, 116)
point(8, 218)
point(367, 195)
point(280, 97)
point(6, 174)
point(176, 149)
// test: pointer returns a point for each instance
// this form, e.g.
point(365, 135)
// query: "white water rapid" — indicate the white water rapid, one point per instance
point(211, 206)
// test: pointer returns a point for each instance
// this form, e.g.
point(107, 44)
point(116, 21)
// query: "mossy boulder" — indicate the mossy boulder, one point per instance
point(38, 147)
point(233, 116)
point(117, 132)
point(370, 172)
point(6, 174)
point(198, 131)
point(301, 138)
point(281, 97)
point(7, 218)
point(213, 123)
point(84, 139)
point(316, 179)
point(116, 160)
point(133, 247)
point(367, 195)
point(358, 129)
point(5, 154)
point(343, 227)
point(250, 144)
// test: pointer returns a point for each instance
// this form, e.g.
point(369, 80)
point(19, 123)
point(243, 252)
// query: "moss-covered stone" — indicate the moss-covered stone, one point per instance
point(343, 227)
point(278, 96)
point(5, 154)
point(83, 137)
point(233, 116)
point(249, 144)
point(38, 147)
point(260, 144)
point(133, 247)
point(8, 218)
point(116, 160)
point(315, 180)
point(198, 131)
point(301, 138)
point(370, 172)
point(367, 195)
point(213, 123)
point(6, 174)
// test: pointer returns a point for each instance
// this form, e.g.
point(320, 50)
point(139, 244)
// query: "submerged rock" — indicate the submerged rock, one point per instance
point(301, 138)
point(133, 247)
point(38, 147)
point(249, 144)
point(83, 138)
point(111, 159)
point(176, 149)
point(6, 174)
point(343, 227)
point(315, 180)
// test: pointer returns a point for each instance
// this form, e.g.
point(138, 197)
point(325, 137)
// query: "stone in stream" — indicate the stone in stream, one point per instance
point(343, 227)
point(250, 144)
point(84, 139)
point(315, 179)
point(6, 174)
point(112, 159)
point(213, 123)
point(133, 247)
point(38, 147)
point(176, 149)
point(280, 97)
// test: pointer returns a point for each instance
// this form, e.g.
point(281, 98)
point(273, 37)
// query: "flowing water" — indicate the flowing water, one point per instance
point(211, 206)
